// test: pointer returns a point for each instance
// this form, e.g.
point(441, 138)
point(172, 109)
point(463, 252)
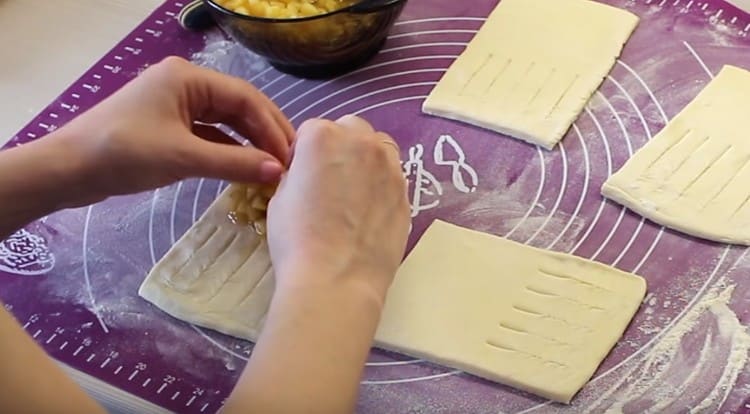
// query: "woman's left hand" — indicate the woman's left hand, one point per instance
point(146, 136)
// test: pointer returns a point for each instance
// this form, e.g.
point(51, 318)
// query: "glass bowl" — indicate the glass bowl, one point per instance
point(319, 46)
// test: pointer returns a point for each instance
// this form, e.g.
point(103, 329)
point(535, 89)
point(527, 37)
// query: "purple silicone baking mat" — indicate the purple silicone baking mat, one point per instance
point(71, 278)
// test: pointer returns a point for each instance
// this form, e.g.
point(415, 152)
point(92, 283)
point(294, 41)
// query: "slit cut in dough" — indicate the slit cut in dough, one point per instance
point(530, 70)
point(692, 176)
point(218, 275)
point(532, 319)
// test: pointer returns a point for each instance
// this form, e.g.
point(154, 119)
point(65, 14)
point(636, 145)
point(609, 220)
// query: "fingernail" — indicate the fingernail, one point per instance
point(270, 170)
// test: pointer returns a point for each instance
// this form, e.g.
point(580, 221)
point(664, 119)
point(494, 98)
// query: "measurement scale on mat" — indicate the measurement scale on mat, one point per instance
point(73, 337)
point(80, 335)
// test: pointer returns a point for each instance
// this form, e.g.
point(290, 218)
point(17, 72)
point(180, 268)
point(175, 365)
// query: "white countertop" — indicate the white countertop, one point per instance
point(742, 4)
point(48, 44)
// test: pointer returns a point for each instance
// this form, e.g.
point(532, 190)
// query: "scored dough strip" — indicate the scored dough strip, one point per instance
point(532, 67)
point(535, 320)
point(692, 176)
point(218, 275)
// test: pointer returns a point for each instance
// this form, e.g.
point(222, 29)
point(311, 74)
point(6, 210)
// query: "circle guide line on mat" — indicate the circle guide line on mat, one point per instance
point(86, 276)
point(174, 212)
point(537, 197)
point(391, 62)
point(365, 82)
point(593, 224)
point(698, 58)
point(441, 19)
point(584, 190)
point(563, 187)
point(630, 154)
point(377, 92)
point(647, 130)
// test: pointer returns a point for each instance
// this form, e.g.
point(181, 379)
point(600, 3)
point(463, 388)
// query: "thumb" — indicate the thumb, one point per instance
point(233, 163)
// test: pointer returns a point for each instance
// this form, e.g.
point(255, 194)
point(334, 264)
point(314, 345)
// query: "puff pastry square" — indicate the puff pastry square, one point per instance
point(530, 70)
point(532, 319)
point(692, 176)
point(218, 275)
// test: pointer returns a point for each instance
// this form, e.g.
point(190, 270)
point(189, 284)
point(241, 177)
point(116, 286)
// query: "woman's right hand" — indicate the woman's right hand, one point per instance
point(340, 215)
point(337, 230)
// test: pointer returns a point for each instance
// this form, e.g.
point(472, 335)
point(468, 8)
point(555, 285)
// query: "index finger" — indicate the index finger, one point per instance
point(218, 98)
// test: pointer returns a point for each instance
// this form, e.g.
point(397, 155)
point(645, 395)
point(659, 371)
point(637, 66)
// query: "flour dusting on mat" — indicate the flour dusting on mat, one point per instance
point(228, 57)
point(693, 368)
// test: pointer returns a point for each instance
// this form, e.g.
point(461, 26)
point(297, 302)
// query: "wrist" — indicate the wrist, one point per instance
point(68, 183)
point(310, 280)
point(51, 176)
point(39, 177)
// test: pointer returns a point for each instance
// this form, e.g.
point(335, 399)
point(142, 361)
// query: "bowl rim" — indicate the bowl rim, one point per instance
point(222, 9)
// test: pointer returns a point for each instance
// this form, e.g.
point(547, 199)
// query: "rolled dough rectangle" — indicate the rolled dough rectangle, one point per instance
point(218, 275)
point(536, 320)
point(531, 319)
point(532, 67)
point(692, 176)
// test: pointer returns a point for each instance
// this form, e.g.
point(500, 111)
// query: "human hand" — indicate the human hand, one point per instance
point(337, 229)
point(146, 136)
point(341, 211)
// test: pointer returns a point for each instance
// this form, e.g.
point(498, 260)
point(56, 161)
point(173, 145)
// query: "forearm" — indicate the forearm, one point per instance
point(30, 381)
point(312, 351)
point(36, 179)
